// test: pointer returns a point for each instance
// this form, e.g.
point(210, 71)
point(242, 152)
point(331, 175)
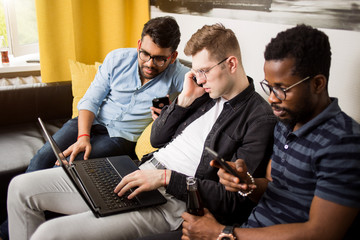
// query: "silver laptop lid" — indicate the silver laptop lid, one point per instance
point(59, 155)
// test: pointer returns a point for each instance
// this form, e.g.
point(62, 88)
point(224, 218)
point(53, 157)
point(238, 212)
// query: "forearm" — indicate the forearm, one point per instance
point(261, 185)
point(184, 101)
point(327, 220)
point(85, 121)
point(292, 231)
point(166, 125)
point(176, 185)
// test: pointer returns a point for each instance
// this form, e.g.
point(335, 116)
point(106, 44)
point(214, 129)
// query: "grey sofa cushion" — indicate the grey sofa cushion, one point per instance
point(20, 142)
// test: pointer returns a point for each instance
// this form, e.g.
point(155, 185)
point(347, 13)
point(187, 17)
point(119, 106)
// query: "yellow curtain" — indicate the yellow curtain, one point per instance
point(85, 31)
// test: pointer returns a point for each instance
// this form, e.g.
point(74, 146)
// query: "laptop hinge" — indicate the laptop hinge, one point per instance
point(82, 188)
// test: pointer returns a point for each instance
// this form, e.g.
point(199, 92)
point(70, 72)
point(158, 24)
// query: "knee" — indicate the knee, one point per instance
point(17, 187)
point(47, 231)
point(44, 158)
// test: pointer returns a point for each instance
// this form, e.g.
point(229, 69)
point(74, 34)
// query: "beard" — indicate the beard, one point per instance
point(301, 113)
point(143, 74)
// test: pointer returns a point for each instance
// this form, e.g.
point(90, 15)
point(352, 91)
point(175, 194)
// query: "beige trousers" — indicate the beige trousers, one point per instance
point(32, 193)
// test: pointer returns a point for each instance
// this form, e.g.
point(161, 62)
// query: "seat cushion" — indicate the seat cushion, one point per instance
point(81, 77)
point(143, 145)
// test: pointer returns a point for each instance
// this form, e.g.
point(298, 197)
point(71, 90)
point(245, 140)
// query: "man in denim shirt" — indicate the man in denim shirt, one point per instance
point(116, 107)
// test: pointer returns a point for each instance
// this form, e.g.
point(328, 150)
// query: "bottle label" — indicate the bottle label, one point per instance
point(194, 203)
point(4, 56)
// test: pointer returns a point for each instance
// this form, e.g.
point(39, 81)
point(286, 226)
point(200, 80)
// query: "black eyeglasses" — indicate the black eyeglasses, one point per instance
point(201, 74)
point(279, 92)
point(158, 60)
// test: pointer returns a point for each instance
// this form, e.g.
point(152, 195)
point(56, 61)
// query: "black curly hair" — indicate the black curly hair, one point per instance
point(164, 31)
point(308, 46)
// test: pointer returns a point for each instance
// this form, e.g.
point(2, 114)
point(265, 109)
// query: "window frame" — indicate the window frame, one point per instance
point(16, 49)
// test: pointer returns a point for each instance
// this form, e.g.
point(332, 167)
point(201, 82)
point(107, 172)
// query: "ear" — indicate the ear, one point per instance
point(232, 63)
point(173, 57)
point(319, 83)
point(139, 44)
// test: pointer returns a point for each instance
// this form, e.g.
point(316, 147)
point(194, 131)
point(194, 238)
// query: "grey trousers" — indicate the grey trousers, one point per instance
point(31, 194)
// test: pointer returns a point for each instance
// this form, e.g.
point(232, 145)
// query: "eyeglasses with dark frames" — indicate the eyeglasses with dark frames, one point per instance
point(201, 74)
point(279, 92)
point(157, 60)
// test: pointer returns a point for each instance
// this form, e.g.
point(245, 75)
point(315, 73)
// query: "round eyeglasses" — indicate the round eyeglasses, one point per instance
point(157, 60)
point(201, 74)
point(280, 93)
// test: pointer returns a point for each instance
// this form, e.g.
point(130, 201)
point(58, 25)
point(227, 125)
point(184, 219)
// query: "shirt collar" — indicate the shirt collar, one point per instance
point(329, 112)
point(242, 97)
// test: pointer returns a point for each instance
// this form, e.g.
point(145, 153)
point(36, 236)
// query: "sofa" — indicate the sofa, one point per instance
point(20, 135)
point(23, 100)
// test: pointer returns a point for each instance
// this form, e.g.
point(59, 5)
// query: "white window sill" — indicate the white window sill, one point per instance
point(20, 64)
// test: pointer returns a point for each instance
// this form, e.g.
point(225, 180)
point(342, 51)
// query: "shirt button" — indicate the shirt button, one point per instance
point(286, 146)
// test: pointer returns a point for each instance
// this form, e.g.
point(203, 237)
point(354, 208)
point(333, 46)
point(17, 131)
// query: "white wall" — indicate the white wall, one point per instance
point(253, 36)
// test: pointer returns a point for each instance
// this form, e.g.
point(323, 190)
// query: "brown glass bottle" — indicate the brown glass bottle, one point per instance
point(194, 203)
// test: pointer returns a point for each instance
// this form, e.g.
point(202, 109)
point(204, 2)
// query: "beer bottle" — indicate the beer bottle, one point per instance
point(4, 51)
point(194, 204)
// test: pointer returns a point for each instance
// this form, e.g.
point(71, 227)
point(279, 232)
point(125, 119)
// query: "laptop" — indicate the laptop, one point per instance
point(96, 179)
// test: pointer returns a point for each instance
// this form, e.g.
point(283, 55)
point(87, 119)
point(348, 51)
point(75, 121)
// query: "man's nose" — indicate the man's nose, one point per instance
point(272, 98)
point(150, 63)
point(200, 81)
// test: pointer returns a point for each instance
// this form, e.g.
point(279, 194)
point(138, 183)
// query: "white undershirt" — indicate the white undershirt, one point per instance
point(184, 152)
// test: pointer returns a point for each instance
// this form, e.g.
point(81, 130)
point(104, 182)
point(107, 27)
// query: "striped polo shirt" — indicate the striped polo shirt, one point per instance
point(321, 159)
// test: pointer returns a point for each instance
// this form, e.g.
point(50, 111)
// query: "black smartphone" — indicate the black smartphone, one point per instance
point(160, 102)
point(223, 163)
point(195, 80)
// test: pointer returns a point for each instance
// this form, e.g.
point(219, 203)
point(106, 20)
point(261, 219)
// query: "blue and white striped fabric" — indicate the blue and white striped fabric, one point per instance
point(321, 159)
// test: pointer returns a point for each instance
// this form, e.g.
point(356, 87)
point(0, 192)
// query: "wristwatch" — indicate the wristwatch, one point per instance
point(227, 233)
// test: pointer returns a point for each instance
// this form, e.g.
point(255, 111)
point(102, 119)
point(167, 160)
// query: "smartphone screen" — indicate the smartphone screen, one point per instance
point(223, 163)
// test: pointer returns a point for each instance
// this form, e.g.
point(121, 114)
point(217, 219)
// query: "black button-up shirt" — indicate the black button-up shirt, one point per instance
point(244, 129)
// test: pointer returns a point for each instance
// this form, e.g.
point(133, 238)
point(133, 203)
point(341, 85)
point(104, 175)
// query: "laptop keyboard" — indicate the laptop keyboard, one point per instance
point(105, 178)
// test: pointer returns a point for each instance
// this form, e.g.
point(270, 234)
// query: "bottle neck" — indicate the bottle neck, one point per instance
point(191, 183)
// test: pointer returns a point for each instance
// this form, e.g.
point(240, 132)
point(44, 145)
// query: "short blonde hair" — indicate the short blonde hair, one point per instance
point(221, 42)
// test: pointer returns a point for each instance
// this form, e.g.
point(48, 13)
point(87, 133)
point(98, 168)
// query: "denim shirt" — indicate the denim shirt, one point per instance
point(244, 129)
point(117, 98)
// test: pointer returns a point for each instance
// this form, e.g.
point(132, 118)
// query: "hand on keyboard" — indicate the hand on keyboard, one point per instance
point(144, 180)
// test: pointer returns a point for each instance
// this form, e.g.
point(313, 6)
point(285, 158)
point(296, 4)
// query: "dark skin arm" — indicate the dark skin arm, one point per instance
point(205, 227)
point(327, 220)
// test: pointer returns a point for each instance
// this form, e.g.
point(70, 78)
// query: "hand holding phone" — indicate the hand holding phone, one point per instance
point(160, 102)
point(224, 164)
point(195, 80)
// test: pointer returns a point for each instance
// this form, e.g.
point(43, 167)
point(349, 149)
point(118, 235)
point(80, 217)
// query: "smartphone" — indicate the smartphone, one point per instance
point(223, 163)
point(160, 102)
point(195, 80)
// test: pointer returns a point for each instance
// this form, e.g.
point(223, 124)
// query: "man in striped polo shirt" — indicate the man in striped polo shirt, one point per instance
point(312, 188)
